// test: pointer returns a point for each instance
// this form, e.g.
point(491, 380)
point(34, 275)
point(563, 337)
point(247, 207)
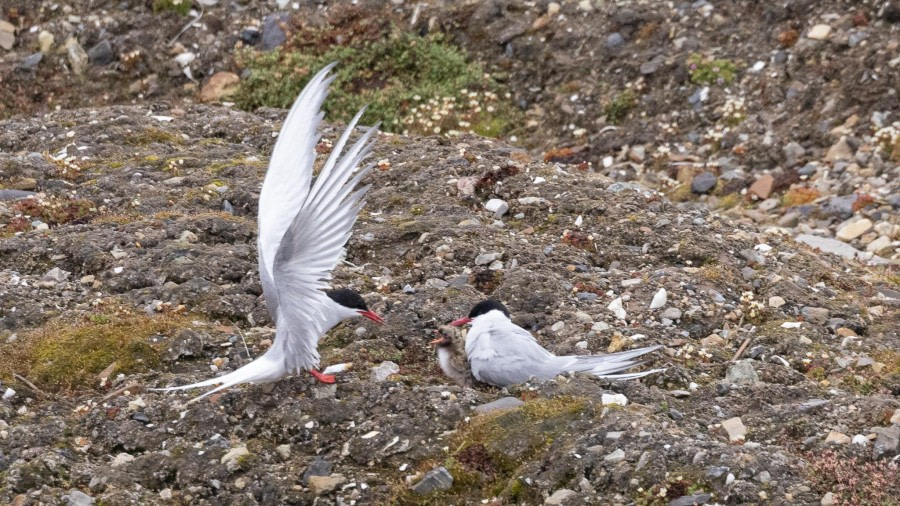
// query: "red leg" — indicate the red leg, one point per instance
point(324, 378)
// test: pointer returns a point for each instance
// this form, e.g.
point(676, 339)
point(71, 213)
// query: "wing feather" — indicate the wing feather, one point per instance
point(312, 246)
point(288, 177)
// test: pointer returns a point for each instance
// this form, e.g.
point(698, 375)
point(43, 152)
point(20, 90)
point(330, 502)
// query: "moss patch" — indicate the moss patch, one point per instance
point(487, 452)
point(66, 356)
point(422, 85)
point(151, 136)
point(180, 6)
point(619, 107)
point(709, 71)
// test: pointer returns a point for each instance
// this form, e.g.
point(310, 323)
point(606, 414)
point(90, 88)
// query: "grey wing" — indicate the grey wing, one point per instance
point(514, 358)
point(313, 245)
point(288, 178)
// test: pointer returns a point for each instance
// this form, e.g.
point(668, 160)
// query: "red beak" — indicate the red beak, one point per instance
point(372, 316)
point(461, 321)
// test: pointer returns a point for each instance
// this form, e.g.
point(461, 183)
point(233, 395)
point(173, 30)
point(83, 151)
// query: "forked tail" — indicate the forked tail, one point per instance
point(611, 366)
point(262, 370)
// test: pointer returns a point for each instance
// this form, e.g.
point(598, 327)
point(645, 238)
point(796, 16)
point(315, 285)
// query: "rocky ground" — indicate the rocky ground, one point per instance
point(128, 262)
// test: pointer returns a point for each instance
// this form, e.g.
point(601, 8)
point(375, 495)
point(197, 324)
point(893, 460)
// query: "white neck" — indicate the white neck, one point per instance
point(335, 313)
point(480, 334)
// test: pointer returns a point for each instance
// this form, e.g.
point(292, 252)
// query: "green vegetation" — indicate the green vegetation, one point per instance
point(487, 452)
point(412, 84)
point(51, 210)
point(617, 109)
point(180, 6)
point(62, 356)
point(708, 71)
point(678, 484)
point(151, 136)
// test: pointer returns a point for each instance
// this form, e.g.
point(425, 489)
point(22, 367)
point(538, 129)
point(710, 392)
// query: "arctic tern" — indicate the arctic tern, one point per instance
point(501, 353)
point(303, 228)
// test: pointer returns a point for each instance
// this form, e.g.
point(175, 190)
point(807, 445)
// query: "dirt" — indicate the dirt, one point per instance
point(148, 210)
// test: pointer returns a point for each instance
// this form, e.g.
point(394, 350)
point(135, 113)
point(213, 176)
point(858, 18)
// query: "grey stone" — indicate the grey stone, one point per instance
point(616, 456)
point(651, 66)
point(817, 315)
point(500, 404)
point(836, 247)
point(887, 441)
point(436, 479)
point(102, 53)
point(318, 467)
point(703, 183)
point(560, 496)
point(672, 313)
point(78, 498)
point(326, 484)
point(614, 40)
point(751, 255)
point(10, 195)
point(808, 170)
point(811, 405)
point(840, 206)
point(31, 61)
point(486, 258)
point(272, 32)
point(793, 152)
point(586, 296)
point(57, 274)
point(384, 370)
point(716, 472)
point(742, 373)
point(688, 500)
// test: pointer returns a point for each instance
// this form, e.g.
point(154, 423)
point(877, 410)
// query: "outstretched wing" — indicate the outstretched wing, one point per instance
point(289, 177)
point(313, 245)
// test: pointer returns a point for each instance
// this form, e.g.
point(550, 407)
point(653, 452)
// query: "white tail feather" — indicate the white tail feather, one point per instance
point(608, 366)
point(262, 370)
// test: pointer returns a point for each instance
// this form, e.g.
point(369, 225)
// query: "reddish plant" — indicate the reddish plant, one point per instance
point(853, 481)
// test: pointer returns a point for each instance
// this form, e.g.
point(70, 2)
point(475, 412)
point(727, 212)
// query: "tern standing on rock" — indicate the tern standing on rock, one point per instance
point(501, 353)
point(303, 228)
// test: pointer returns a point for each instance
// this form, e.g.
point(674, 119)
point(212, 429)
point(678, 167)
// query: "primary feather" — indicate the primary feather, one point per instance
point(303, 228)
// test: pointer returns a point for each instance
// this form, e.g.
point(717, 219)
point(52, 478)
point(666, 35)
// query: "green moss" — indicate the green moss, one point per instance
point(405, 80)
point(619, 107)
point(180, 6)
point(491, 126)
point(63, 357)
point(816, 373)
point(681, 193)
point(729, 201)
point(151, 136)
point(417, 210)
point(708, 71)
point(488, 451)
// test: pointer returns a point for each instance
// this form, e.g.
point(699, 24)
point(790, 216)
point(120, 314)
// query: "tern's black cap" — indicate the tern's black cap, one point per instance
point(348, 298)
point(486, 306)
